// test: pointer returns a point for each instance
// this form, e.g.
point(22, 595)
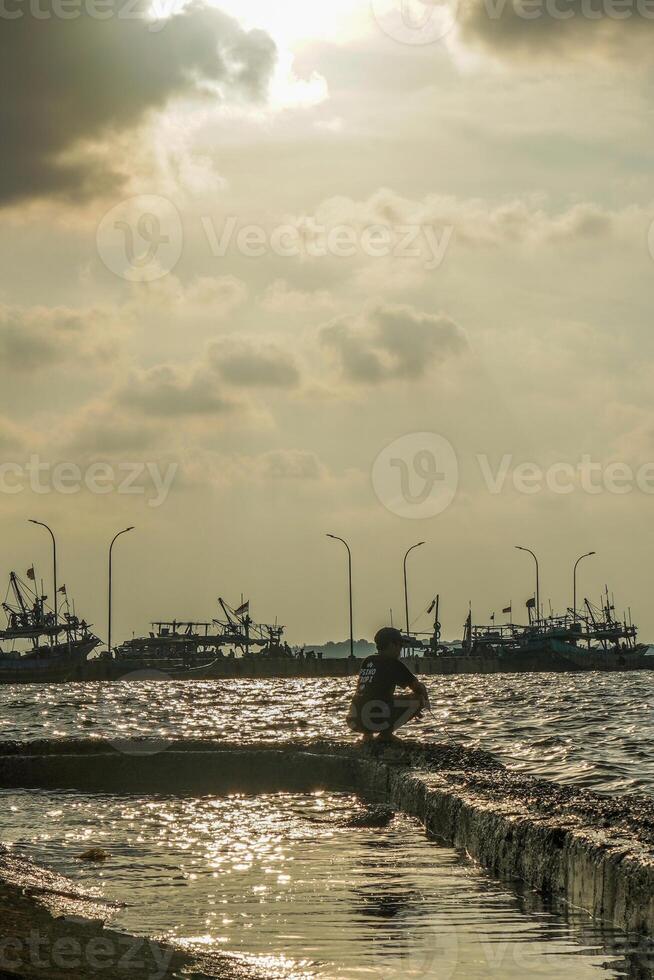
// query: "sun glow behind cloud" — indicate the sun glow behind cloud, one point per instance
point(291, 25)
point(296, 21)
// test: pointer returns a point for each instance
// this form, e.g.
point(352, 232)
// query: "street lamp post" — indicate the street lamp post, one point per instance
point(574, 583)
point(54, 563)
point(335, 537)
point(406, 589)
point(530, 552)
point(111, 548)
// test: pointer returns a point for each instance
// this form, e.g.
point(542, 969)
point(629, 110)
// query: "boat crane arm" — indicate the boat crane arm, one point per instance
point(231, 621)
point(17, 592)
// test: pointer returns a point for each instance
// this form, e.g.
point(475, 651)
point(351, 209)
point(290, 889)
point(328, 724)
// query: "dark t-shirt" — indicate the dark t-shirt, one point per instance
point(379, 676)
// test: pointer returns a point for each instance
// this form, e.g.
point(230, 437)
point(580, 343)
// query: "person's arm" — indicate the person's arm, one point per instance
point(407, 679)
point(420, 691)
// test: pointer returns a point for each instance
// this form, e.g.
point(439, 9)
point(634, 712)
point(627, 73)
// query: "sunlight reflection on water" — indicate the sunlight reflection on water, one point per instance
point(591, 729)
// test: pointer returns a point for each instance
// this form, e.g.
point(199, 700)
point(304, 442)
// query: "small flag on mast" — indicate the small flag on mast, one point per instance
point(531, 603)
point(507, 610)
point(62, 590)
point(31, 574)
point(244, 609)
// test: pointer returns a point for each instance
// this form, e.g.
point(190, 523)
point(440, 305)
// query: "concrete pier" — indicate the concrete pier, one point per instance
point(594, 852)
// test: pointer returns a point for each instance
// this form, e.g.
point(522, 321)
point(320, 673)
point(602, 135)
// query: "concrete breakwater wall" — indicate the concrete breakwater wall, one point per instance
point(578, 660)
point(595, 852)
point(252, 668)
point(264, 667)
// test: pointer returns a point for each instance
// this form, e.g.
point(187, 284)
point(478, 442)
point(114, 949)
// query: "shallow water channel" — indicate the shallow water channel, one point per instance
point(286, 881)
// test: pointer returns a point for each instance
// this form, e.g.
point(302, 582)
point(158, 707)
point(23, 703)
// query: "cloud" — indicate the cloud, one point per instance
point(209, 296)
point(101, 429)
point(92, 78)
point(250, 366)
point(46, 337)
point(392, 342)
point(198, 389)
point(474, 222)
point(202, 467)
point(559, 29)
point(279, 297)
point(11, 436)
point(291, 464)
point(170, 391)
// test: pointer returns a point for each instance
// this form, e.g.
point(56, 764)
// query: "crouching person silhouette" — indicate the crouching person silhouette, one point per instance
point(375, 710)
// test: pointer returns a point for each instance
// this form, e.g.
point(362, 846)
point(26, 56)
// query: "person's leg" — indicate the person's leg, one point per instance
point(369, 718)
point(403, 710)
point(354, 722)
point(352, 719)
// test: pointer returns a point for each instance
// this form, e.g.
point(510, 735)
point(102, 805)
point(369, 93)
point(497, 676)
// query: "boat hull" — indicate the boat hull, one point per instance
point(56, 664)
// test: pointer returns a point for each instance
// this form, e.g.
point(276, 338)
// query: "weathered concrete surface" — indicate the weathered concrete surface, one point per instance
point(593, 851)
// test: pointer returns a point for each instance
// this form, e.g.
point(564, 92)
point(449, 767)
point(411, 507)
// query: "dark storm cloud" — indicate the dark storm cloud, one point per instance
point(391, 342)
point(548, 29)
point(68, 81)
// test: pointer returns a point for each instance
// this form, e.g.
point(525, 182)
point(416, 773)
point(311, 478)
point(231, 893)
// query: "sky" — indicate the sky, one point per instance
point(377, 269)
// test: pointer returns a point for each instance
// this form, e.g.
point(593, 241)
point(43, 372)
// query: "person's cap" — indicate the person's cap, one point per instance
point(388, 636)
